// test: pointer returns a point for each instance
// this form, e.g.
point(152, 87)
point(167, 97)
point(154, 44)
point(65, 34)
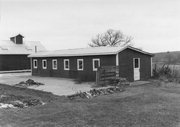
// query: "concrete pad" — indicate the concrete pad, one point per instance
point(15, 71)
point(58, 86)
point(137, 83)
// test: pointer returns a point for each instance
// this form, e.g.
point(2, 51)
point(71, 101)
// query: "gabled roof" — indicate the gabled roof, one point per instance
point(18, 35)
point(86, 52)
point(28, 47)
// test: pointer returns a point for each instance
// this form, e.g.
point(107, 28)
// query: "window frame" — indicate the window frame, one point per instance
point(35, 67)
point(53, 65)
point(80, 69)
point(65, 64)
point(96, 59)
point(44, 67)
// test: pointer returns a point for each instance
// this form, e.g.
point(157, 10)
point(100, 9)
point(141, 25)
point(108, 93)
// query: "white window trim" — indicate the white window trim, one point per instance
point(53, 67)
point(43, 64)
point(65, 63)
point(95, 69)
point(80, 69)
point(35, 60)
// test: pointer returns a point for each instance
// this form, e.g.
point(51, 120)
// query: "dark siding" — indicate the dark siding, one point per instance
point(19, 39)
point(86, 74)
point(126, 64)
point(14, 62)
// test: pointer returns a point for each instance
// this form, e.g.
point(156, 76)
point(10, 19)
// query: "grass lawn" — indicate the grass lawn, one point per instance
point(141, 106)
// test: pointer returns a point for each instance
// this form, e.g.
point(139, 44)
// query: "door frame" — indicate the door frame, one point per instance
point(139, 66)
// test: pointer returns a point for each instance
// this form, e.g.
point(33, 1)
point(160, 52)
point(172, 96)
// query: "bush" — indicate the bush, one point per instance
point(165, 70)
point(165, 73)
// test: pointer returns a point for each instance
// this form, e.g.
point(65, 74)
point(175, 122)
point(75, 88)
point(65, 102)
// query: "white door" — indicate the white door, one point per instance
point(136, 64)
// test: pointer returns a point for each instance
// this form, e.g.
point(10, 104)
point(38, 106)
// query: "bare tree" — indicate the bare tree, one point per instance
point(111, 38)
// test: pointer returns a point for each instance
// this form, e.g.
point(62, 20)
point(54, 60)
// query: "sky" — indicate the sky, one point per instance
point(66, 24)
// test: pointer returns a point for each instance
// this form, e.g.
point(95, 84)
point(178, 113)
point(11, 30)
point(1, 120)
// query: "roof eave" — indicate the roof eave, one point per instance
point(70, 55)
point(135, 49)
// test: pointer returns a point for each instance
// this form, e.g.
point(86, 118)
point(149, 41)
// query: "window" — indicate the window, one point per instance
point(54, 64)
point(66, 64)
point(96, 64)
point(80, 64)
point(136, 62)
point(44, 64)
point(34, 63)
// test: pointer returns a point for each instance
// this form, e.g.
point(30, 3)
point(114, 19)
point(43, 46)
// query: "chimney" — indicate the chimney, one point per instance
point(35, 49)
point(18, 39)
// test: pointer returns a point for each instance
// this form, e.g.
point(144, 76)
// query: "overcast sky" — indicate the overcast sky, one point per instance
point(64, 24)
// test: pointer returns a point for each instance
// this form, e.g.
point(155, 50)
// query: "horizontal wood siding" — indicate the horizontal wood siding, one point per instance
point(126, 64)
point(14, 62)
point(87, 74)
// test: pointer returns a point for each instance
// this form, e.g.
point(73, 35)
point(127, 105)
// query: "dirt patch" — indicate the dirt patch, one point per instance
point(15, 101)
point(18, 97)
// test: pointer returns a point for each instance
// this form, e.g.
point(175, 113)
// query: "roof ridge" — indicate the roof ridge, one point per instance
point(89, 48)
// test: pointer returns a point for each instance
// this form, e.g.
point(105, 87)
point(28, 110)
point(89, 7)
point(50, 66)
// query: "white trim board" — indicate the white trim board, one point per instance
point(79, 69)
point(65, 65)
point(93, 60)
point(44, 67)
point(53, 67)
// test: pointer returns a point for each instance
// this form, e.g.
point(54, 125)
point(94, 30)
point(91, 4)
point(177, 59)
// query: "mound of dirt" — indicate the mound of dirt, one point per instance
point(28, 83)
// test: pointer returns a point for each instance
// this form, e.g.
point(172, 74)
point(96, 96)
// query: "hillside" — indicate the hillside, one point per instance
point(167, 57)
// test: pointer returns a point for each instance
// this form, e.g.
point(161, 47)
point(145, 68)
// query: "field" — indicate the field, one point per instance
point(152, 105)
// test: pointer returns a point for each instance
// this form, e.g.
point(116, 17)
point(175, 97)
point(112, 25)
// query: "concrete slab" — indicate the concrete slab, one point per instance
point(15, 71)
point(137, 83)
point(58, 86)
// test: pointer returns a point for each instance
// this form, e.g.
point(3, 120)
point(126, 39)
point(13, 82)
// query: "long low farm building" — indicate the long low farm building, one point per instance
point(134, 64)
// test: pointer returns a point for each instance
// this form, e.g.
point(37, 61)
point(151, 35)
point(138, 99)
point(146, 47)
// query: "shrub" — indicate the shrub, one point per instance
point(165, 70)
point(165, 73)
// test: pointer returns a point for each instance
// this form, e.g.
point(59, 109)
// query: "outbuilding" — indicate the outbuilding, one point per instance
point(14, 52)
point(134, 64)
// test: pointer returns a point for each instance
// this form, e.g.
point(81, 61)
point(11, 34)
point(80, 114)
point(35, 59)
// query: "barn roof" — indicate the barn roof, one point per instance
point(28, 47)
point(86, 52)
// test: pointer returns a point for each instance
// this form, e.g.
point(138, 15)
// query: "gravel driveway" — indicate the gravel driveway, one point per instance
point(58, 86)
